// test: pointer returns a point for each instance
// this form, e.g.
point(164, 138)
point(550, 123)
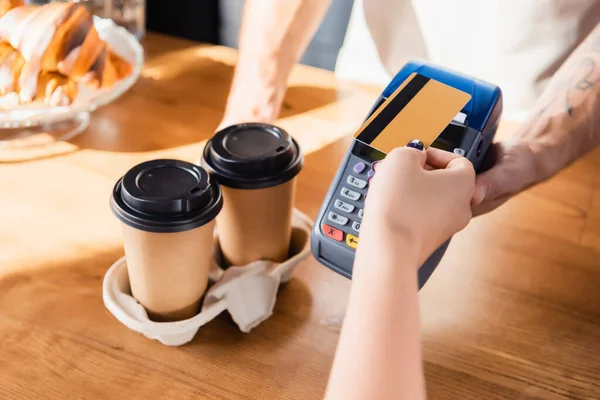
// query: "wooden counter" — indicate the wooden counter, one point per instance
point(513, 311)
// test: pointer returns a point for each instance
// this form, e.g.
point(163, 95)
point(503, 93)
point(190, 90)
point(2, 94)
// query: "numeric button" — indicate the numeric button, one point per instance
point(356, 226)
point(343, 206)
point(360, 213)
point(356, 182)
point(350, 194)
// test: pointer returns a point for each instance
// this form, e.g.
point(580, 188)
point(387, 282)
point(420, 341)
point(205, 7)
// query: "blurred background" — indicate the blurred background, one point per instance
point(342, 44)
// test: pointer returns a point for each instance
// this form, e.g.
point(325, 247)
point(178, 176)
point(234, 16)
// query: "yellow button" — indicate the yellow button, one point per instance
point(351, 241)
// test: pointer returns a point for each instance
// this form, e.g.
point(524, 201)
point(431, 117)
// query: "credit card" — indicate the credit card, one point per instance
point(421, 108)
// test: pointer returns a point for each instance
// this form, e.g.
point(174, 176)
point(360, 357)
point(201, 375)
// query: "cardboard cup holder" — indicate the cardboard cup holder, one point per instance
point(247, 292)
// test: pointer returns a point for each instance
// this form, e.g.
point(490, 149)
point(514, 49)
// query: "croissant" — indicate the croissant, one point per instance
point(45, 51)
point(6, 5)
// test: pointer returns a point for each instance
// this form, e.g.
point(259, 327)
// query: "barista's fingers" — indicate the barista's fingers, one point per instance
point(440, 158)
point(487, 206)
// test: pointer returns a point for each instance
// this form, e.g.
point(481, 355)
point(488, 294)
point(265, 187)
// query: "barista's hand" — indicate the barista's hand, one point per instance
point(252, 102)
point(257, 90)
point(541, 147)
point(422, 206)
point(514, 168)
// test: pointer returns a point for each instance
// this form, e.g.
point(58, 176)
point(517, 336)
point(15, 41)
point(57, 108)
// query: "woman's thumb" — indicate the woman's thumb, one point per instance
point(417, 144)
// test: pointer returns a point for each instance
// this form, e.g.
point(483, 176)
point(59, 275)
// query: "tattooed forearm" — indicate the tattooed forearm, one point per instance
point(567, 124)
point(588, 68)
point(579, 75)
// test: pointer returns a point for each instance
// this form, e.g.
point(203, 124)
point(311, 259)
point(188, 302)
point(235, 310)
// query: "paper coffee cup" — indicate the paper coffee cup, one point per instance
point(167, 209)
point(256, 166)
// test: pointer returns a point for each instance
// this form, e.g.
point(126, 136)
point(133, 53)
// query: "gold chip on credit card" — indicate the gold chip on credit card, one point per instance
point(421, 108)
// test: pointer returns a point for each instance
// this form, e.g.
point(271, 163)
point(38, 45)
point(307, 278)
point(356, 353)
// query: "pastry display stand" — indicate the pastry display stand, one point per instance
point(34, 131)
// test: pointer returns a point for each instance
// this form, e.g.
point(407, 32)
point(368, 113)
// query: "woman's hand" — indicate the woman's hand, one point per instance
point(423, 197)
point(416, 201)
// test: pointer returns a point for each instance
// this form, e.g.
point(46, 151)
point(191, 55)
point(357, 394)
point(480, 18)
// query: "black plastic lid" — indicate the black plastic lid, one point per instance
point(252, 156)
point(166, 196)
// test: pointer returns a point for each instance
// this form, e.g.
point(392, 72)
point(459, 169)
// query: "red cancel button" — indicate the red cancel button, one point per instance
point(333, 233)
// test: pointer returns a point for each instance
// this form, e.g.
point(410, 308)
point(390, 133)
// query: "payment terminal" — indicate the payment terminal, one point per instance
point(470, 132)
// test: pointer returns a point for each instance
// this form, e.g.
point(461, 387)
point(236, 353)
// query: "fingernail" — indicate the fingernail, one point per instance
point(480, 195)
point(417, 144)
